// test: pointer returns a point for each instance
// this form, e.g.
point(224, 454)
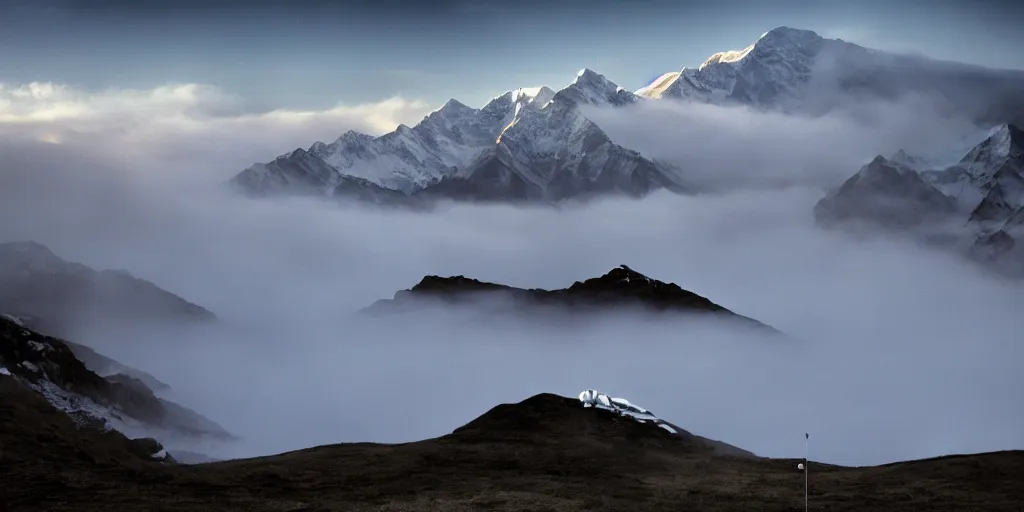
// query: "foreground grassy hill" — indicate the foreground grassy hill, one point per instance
point(545, 453)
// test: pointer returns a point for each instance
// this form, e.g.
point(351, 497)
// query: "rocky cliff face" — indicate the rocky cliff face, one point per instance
point(49, 366)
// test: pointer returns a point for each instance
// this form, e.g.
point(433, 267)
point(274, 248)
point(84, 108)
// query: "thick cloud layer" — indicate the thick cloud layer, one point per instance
point(899, 352)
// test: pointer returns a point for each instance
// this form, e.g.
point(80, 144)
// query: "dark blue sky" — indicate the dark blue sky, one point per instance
point(316, 53)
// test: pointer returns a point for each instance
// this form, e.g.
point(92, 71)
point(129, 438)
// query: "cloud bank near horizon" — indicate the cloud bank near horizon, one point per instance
point(192, 132)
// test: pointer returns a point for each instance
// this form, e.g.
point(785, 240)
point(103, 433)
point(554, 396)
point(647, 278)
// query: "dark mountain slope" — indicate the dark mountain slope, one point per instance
point(44, 453)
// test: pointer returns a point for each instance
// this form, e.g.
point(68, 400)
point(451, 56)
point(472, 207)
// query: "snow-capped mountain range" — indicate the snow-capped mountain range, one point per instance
point(768, 71)
point(538, 144)
point(981, 197)
point(526, 144)
point(452, 136)
point(799, 71)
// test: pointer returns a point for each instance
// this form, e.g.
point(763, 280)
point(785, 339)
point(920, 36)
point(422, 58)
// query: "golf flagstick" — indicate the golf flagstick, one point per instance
point(807, 464)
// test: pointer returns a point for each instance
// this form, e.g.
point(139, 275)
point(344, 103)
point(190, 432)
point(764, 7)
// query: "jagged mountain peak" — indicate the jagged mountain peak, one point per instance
point(539, 95)
point(453, 112)
point(587, 75)
point(882, 168)
point(454, 103)
point(589, 78)
point(452, 107)
point(1003, 147)
point(509, 106)
point(551, 151)
point(779, 40)
point(528, 95)
point(592, 88)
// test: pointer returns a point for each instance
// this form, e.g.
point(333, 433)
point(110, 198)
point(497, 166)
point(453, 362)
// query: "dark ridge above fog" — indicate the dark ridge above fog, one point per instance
point(621, 288)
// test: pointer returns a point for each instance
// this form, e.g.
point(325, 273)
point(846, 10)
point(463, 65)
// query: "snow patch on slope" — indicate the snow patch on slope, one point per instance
point(598, 400)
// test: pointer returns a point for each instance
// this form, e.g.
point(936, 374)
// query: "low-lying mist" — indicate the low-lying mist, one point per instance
point(897, 351)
